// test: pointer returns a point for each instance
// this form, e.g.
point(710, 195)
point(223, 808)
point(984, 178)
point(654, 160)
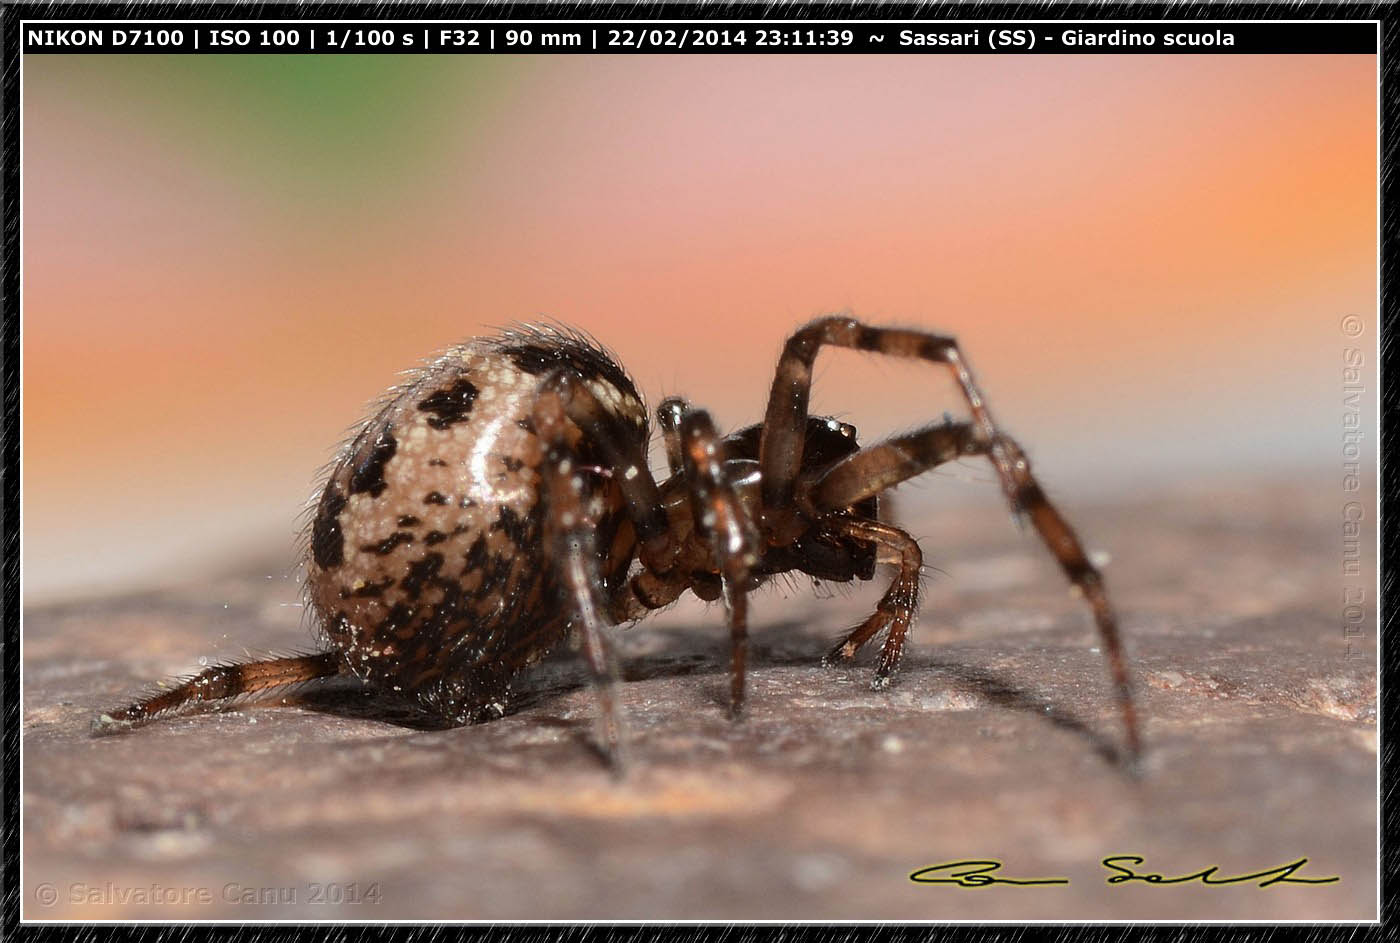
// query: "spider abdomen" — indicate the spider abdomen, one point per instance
point(426, 564)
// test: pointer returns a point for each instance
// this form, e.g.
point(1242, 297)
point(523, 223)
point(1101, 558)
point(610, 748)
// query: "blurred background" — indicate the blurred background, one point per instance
point(225, 258)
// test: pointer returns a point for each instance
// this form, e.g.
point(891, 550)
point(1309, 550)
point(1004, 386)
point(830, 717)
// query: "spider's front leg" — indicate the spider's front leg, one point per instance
point(886, 464)
point(780, 449)
point(780, 461)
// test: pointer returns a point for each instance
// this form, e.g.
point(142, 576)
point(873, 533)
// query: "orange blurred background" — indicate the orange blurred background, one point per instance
point(225, 258)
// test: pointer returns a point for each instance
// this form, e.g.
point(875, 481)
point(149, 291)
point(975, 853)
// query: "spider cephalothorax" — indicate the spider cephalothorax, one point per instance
point(501, 499)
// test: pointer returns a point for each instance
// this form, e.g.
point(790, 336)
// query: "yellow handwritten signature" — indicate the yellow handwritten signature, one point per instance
point(981, 872)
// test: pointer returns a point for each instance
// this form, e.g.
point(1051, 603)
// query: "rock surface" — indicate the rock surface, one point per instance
point(995, 742)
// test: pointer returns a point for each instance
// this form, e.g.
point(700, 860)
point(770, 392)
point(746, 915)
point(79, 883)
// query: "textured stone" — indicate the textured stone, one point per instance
point(995, 742)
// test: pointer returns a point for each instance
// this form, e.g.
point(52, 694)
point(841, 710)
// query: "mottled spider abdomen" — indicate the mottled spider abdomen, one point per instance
point(427, 566)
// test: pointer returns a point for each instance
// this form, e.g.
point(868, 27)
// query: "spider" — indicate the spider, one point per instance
point(500, 499)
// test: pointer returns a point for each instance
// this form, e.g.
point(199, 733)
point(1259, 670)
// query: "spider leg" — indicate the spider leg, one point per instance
point(668, 419)
point(896, 609)
point(623, 451)
point(571, 517)
point(885, 464)
point(780, 449)
point(879, 467)
point(728, 528)
point(221, 683)
point(646, 592)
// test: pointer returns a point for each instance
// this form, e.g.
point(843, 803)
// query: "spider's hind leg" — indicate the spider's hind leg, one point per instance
point(220, 683)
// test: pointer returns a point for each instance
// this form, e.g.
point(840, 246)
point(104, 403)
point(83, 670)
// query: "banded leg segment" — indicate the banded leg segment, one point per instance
point(896, 609)
point(575, 555)
point(221, 683)
point(780, 450)
point(877, 468)
point(726, 527)
point(571, 534)
point(886, 464)
point(1064, 544)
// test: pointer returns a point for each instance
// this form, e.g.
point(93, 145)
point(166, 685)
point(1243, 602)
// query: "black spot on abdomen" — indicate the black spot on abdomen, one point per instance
point(538, 353)
point(421, 572)
point(516, 528)
point(327, 542)
point(369, 472)
point(476, 555)
point(450, 405)
point(387, 545)
point(398, 617)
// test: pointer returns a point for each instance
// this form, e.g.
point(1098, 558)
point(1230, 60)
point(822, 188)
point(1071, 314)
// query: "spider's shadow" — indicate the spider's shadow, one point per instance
point(997, 690)
point(700, 652)
point(558, 674)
